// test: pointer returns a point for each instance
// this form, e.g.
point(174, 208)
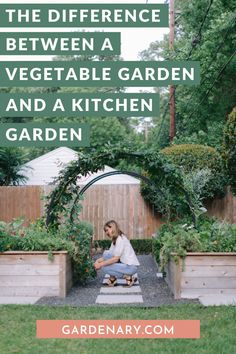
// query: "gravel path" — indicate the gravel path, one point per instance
point(155, 291)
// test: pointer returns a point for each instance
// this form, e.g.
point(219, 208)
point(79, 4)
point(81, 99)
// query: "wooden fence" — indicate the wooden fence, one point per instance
point(102, 203)
point(224, 208)
point(20, 201)
point(123, 203)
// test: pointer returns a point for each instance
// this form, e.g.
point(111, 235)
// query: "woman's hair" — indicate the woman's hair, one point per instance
point(116, 231)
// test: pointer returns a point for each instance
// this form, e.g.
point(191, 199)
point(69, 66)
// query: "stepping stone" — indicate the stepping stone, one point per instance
point(119, 299)
point(120, 281)
point(217, 300)
point(120, 290)
point(18, 300)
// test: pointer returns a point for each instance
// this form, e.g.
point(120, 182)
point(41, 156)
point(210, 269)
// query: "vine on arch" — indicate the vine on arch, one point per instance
point(66, 191)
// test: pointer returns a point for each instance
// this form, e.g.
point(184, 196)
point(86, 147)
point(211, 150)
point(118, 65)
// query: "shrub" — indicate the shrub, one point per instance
point(229, 149)
point(179, 238)
point(11, 171)
point(81, 233)
point(141, 246)
point(188, 163)
point(103, 244)
point(85, 226)
point(198, 157)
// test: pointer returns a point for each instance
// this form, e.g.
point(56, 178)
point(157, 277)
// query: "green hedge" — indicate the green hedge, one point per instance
point(141, 246)
point(229, 149)
point(187, 161)
point(190, 157)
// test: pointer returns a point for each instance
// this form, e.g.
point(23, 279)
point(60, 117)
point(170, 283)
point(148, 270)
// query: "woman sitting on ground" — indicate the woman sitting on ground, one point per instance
point(120, 261)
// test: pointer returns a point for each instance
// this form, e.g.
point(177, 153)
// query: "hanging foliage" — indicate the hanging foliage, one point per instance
point(67, 190)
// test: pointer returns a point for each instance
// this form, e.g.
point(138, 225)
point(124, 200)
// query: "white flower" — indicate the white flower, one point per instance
point(190, 227)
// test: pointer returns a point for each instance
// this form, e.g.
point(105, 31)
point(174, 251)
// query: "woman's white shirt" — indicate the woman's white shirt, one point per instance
point(124, 250)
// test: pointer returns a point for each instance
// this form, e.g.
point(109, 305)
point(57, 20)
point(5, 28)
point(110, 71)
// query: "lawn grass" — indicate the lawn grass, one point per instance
point(18, 330)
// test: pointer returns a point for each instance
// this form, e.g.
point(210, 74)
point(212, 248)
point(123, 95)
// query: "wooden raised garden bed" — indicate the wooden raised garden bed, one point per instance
point(200, 274)
point(33, 274)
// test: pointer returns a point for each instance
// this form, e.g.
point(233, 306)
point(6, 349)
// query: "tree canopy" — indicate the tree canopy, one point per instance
point(206, 32)
point(11, 161)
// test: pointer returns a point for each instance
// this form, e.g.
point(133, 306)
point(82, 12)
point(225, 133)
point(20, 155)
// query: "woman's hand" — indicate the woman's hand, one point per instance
point(98, 265)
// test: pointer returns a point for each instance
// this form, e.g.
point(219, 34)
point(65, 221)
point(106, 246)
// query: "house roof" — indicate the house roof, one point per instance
point(44, 169)
point(62, 153)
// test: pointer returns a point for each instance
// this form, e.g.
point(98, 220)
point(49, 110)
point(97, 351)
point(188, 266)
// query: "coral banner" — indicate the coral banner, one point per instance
point(118, 329)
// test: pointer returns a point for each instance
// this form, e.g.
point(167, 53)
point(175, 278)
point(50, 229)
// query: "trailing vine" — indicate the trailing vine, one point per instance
point(66, 192)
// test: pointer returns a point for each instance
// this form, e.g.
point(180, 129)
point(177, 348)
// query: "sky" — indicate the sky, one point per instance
point(133, 40)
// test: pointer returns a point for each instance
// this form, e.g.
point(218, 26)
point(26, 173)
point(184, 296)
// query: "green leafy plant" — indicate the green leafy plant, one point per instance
point(13, 226)
point(37, 237)
point(208, 36)
point(11, 171)
point(178, 239)
point(194, 183)
point(191, 157)
point(229, 149)
point(200, 171)
point(162, 174)
point(80, 232)
point(140, 246)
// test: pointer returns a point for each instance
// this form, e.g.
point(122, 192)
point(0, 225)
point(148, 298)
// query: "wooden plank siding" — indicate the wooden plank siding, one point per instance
point(33, 274)
point(224, 208)
point(101, 203)
point(122, 202)
point(20, 201)
point(202, 274)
